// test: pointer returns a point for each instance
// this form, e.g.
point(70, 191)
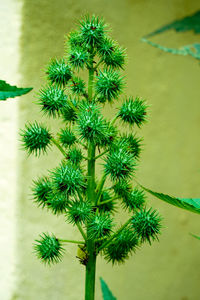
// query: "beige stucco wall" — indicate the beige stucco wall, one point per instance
point(169, 270)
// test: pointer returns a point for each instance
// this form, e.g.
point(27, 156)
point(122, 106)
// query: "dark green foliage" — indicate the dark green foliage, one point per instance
point(9, 91)
point(49, 249)
point(120, 248)
point(120, 164)
point(146, 224)
point(99, 226)
point(59, 72)
point(52, 100)
point(78, 57)
point(36, 138)
point(134, 199)
point(67, 137)
point(79, 212)
point(109, 85)
point(78, 86)
point(75, 156)
point(69, 111)
point(41, 190)
point(92, 31)
point(68, 178)
point(133, 111)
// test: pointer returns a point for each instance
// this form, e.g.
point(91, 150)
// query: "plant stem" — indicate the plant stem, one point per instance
point(91, 263)
point(113, 236)
point(81, 231)
point(101, 154)
point(56, 143)
point(107, 201)
point(72, 241)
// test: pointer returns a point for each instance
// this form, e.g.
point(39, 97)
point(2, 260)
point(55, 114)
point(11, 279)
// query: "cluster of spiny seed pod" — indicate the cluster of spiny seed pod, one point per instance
point(87, 138)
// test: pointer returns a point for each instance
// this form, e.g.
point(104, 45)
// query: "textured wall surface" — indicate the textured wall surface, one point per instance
point(170, 163)
point(9, 58)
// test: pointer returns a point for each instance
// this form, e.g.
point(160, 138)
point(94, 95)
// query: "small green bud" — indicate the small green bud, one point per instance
point(35, 138)
point(49, 249)
point(57, 202)
point(67, 137)
point(59, 72)
point(78, 86)
point(92, 31)
point(75, 156)
point(124, 244)
point(99, 226)
point(78, 57)
point(91, 125)
point(133, 111)
point(134, 200)
point(68, 112)
point(74, 39)
point(131, 143)
point(52, 99)
point(146, 224)
point(120, 164)
point(68, 178)
point(109, 85)
point(122, 188)
point(79, 212)
point(41, 190)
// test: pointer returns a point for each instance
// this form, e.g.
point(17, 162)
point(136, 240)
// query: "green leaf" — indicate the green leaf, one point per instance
point(191, 204)
point(187, 23)
point(107, 295)
point(9, 91)
point(195, 236)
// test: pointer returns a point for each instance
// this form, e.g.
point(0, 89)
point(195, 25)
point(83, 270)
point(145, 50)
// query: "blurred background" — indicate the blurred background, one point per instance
point(31, 33)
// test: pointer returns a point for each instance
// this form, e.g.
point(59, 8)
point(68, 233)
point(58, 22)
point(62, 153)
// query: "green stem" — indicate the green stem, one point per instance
point(99, 189)
point(81, 231)
point(101, 154)
point(113, 120)
point(56, 143)
point(107, 201)
point(72, 241)
point(113, 236)
point(91, 263)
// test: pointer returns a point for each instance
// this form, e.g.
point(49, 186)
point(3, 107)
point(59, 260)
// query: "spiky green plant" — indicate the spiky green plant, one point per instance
point(89, 201)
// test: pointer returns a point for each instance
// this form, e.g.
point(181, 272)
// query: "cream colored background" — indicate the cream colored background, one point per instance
point(31, 33)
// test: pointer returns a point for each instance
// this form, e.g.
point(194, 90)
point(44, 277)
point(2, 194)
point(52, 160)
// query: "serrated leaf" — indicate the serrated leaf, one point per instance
point(192, 50)
point(9, 91)
point(195, 236)
point(107, 294)
point(191, 204)
point(191, 22)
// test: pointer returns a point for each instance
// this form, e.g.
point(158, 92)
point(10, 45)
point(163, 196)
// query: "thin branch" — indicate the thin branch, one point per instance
point(101, 154)
point(113, 236)
point(107, 201)
point(81, 231)
point(56, 143)
point(72, 241)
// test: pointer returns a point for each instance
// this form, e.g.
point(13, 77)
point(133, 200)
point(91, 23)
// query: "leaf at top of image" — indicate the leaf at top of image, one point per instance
point(187, 23)
point(9, 91)
point(107, 294)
